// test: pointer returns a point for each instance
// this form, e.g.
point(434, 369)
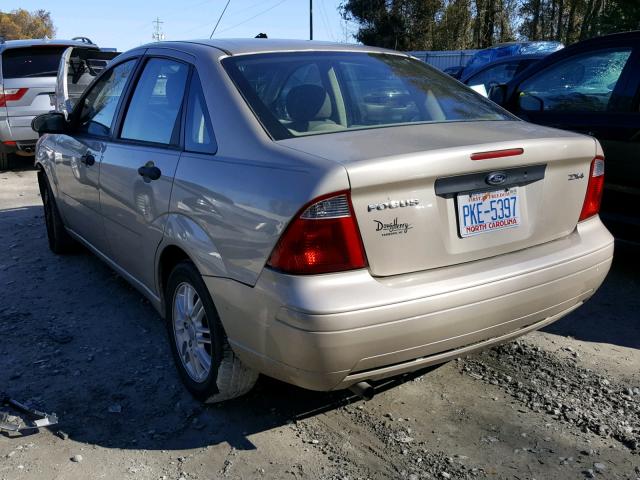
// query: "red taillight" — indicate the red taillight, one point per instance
point(11, 95)
point(591, 205)
point(323, 238)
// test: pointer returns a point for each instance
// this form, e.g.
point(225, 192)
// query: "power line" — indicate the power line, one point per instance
point(326, 21)
point(255, 16)
point(227, 16)
point(220, 18)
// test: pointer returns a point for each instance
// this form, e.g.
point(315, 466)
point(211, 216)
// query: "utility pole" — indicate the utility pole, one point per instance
point(157, 34)
point(310, 19)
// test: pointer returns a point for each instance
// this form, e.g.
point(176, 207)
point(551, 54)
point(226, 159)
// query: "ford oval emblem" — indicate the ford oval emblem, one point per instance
point(496, 178)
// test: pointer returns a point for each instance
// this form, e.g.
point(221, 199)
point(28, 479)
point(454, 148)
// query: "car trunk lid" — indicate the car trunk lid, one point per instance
point(409, 185)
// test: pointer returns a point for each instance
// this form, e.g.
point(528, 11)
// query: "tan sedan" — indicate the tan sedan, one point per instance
point(325, 214)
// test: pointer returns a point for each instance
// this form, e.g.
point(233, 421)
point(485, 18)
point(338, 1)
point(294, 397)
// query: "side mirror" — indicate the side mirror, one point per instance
point(530, 103)
point(53, 122)
point(498, 94)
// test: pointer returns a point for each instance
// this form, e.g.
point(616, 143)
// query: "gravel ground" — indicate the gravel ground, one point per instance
point(77, 340)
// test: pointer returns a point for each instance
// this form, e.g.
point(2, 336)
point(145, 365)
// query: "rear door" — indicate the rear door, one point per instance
point(28, 76)
point(593, 92)
point(139, 165)
point(77, 69)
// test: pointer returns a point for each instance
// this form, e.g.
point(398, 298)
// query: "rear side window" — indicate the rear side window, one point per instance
point(31, 62)
point(198, 131)
point(153, 114)
point(298, 94)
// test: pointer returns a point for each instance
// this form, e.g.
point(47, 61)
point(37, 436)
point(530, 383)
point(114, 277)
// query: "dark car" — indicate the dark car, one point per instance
point(591, 87)
point(500, 71)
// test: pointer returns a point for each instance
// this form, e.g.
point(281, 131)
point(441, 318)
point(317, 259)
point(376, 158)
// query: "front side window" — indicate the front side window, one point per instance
point(306, 93)
point(583, 83)
point(99, 106)
point(154, 111)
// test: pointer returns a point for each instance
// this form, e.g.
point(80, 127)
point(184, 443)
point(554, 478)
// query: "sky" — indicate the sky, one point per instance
point(125, 24)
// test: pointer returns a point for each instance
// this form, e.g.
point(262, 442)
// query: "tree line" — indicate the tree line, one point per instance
point(20, 24)
point(464, 24)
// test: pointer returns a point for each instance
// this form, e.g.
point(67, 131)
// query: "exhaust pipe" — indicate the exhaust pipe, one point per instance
point(363, 389)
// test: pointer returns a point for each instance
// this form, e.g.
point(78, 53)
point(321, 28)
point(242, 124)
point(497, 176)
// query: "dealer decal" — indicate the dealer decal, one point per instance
point(395, 228)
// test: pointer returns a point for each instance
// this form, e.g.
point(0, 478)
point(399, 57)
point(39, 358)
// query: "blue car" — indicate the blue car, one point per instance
point(509, 49)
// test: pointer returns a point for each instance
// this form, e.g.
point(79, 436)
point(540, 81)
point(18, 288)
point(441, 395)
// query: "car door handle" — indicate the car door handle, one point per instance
point(149, 171)
point(88, 159)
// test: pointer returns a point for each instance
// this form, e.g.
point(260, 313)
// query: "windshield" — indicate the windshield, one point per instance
point(306, 93)
point(31, 62)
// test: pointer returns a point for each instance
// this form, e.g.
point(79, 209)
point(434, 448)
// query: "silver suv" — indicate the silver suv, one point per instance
point(28, 70)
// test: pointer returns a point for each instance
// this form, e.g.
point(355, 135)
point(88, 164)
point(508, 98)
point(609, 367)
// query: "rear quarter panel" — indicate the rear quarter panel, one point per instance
point(227, 212)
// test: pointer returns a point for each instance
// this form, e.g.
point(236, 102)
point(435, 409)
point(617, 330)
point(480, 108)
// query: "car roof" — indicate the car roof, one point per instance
point(39, 42)
point(243, 46)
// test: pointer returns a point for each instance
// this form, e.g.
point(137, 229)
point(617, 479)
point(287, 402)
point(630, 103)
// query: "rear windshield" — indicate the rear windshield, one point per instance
point(31, 62)
point(306, 93)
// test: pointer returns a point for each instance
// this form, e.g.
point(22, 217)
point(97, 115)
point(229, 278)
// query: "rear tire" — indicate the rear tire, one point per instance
point(205, 361)
point(60, 241)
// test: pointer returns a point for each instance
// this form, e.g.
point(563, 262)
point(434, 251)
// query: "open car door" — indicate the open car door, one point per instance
point(78, 67)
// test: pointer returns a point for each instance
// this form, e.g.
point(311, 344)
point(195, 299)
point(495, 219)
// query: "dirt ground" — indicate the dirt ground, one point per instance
point(75, 339)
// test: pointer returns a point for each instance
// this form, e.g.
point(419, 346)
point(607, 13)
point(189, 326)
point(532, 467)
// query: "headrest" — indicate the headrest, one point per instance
point(307, 102)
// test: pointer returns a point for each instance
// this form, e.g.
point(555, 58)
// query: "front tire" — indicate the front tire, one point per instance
point(205, 361)
point(60, 241)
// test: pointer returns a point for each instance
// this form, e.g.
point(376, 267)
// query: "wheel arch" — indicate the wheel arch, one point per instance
point(170, 256)
point(184, 240)
point(46, 167)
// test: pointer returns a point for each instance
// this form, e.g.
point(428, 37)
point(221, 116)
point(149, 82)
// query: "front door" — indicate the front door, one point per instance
point(139, 165)
point(78, 156)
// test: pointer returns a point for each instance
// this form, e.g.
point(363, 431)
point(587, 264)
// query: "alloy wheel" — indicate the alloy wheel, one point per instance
point(191, 332)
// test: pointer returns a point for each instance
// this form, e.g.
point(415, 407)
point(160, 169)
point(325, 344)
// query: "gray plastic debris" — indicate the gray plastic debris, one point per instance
point(29, 418)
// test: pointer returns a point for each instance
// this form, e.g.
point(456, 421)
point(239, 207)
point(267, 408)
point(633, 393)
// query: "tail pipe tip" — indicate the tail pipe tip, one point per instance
point(363, 389)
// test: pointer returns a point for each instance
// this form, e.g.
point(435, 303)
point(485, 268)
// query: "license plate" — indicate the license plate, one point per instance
point(488, 211)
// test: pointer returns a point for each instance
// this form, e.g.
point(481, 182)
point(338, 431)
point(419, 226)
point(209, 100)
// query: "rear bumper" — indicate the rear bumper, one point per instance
point(18, 130)
point(330, 331)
